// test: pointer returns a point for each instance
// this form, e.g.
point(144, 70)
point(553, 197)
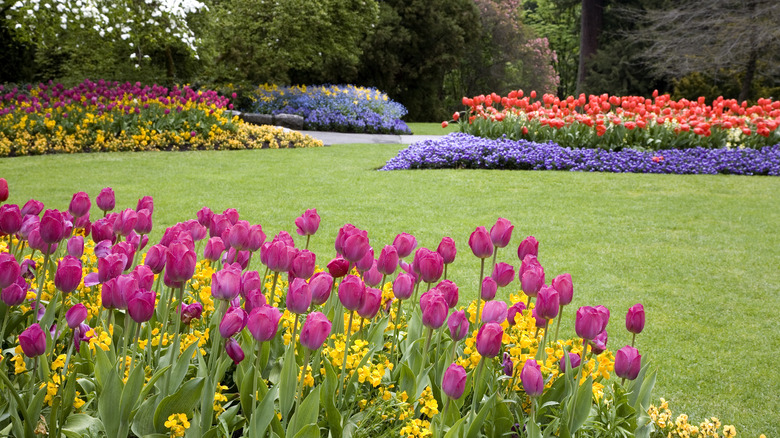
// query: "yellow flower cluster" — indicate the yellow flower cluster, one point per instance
point(417, 428)
point(661, 416)
point(220, 399)
point(177, 424)
point(428, 405)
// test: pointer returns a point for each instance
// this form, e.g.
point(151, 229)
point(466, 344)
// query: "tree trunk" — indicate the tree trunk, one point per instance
point(170, 69)
point(750, 73)
point(590, 29)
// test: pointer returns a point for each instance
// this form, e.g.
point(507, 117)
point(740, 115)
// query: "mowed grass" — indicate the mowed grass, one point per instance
point(700, 252)
point(432, 128)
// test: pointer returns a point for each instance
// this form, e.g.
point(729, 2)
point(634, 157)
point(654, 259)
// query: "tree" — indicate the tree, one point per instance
point(723, 38)
point(591, 22)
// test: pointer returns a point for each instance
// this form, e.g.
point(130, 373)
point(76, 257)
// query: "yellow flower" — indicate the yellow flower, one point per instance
point(177, 424)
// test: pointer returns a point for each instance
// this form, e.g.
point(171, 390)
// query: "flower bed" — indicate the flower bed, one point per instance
point(341, 108)
point(98, 336)
point(458, 150)
point(108, 116)
point(617, 122)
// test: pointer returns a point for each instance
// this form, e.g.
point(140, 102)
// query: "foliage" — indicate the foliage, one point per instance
point(344, 108)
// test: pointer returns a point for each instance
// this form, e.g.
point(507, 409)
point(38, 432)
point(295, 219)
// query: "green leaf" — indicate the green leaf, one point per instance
point(135, 382)
point(476, 425)
point(310, 431)
point(502, 419)
point(328, 398)
point(82, 424)
point(184, 400)
point(455, 429)
point(306, 414)
point(179, 370)
point(581, 408)
point(407, 381)
point(533, 429)
point(108, 400)
point(643, 401)
point(263, 414)
point(288, 381)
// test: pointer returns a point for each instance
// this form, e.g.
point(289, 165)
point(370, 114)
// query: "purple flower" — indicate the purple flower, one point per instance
point(454, 381)
point(315, 330)
point(263, 323)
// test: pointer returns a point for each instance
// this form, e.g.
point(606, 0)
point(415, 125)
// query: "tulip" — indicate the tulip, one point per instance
point(197, 231)
point(503, 274)
point(495, 311)
point(531, 376)
point(635, 319)
point(102, 230)
point(127, 250)
point(565, 288)
point(254, 298)
point(280, 256)
point(352, 292)
point(263, 323)
point(450, 292)
point(140, 305)
point(76, 315)
point(190, 312)
point(458, 324)
point(126, 286)
point(232, 215)
point(547, 303)
point(143, 223)
point(68, 275)
point(628, 362)
point(315, 331)
point(9, 270)
point(404, 244)
point(540, 322)
point(298, 296)
point(13, 295)
point(588, 322)
point(111, 266)
point(29, 223)
point(532, 281)
point(256, 237)
point(106, 200)
point(431, 266)
point(303, 264)
point(217, 225)
point(226, 283)
point(356, 246)
point(514, 309)
point(447, 250)
point(250, 280)
point(574, 362)
point(604, 312)
point(365, 263)
point(3, 190)
point(454, 381)
point(480, 243)
point(234, 351)
point(308, 223)
point(599, 344)
point(37, 243)
point(489, 288)
point(76, 246)
point(501, 233)
point(241, 258)
point(156, 258)
point(509, 366)
point(434, 309)
point(489, 339)
point(388, 260)
point(373, 277)
point(109, 294)
point(530, 261)
point(403, 286)
point(32, 207)
point(79, 204)
point(371, 303)
point(180, 262)
point(204, 216)
point(238, 236)
point(145, 203)
point(338, 267)
point(10, 219)
point(529, 245)
point(52, 227)
point(214, 249)
point(234, 321)
point(320, 284)
point(125, 222)
point(33, 341)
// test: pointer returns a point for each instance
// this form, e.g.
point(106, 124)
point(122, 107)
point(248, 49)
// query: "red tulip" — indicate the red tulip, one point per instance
point(338, 267)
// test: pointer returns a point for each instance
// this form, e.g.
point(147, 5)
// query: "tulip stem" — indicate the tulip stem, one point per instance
point(257, 376)
point(395, 329)
point(541, 352)
point(479, 298)
point(123, 360)
point(360, 330)
point(306, 353)
point(445, 271)
point(428, 337)
point(443, 416)
point(633, 338)
point(166, 315)
point(558, 324)
point(308, 236)
point(5, 322)
point(346, 353)
point(416, 289)
point(495, 254)
point(67, 360)
point(39, 292)
point(273, 290)
point(135, 345)
point(474, 400)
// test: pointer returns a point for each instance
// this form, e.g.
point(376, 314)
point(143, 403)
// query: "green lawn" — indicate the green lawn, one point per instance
point(432, 128)
point(701, 252)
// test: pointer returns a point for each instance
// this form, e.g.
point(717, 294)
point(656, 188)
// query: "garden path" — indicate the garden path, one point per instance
point(330, 138)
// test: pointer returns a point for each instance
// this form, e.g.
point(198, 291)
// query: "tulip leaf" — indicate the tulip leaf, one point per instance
point(82, 424)
point(108, 400)
point(184, 400)
point(306, 414)
point(143, 421)
point(582, 404)
point(328, 399)
point(309, 431)
point(15, 403)
point(407, 381)
point(264, 413)
point(533, 429)
point(288, 381)
point(179, 370)
point(455, 429)
point(502, 420)
point(476, 425)
point(643, 401)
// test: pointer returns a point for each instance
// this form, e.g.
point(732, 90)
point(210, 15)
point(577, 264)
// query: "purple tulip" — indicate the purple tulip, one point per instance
point(76, 246)
point(10, 219)
point(529, 245)
point(126, 286)
point(315, 331)
point(218, 224)
point(431, 266)
point(234, 321)
point(109, 294)
point(480, 243)
point(509, 366)
point(84, 223)
point(514, 309)
point(234, 351)
point(263, 323)
point(52, 226)
point(434, 309)
point(33, 341)
point(37, 243)
point(76, 315)
point(565, 288)
point(450, 292)
point(68, 275)
point(279, 256)
point(388, 260)
point(145, 203)
point(111, 266)
point(530, 261)
point(338, 267)
point(604, 312)
point(204, 216)
point(143, 223)
point(540, 322)
point(254, 298)
point(356, 246)
point(588, 322)
point(352, 292)
point(241, 258)
point(320, 285)
point(371, 303)
point(489, 339)
point(3, 190)
point(547, 303)
point(532, 281)
point(503, 274)
point(13, 294)
point(106, 200)
point(32, 207)
point(501, 233)
point(403, 286)
point(27, 268)
point(79, 204)
point(140, 305)
point(156, 258)
point(9, 270)
point(599, 344)
point(180, 262)
point(102, 229)
point(125, 222)
point(404, 244)
point(635, 318)
point(190, 312)
point(458, 324)
point(232, 215)
point(574, 362)
point(214, 249)
point(489, 288)
point(127, 250)
point(308, 223)
point(454, 381)
point(531, 376)
point(303, 264)
point(238, 236)
point(145, 277)
point(298, 296)
point(494, 311)
point(447, 250)
point(628, 362)
point(226, 283)
point(30, 223)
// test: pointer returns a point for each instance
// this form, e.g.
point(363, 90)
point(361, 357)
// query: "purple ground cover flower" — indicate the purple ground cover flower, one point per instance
point(458, 150)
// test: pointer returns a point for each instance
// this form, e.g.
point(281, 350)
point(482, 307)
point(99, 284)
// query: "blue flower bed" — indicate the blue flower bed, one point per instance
point(340, 108)
point(458, 150)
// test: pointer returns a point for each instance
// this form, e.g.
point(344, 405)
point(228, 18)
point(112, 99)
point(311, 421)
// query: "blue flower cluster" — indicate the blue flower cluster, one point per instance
point(341, 108)
point(464, 151)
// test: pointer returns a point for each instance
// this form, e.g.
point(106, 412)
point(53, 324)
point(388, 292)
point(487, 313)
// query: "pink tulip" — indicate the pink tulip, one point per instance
point(565, 288)
point(404, 244)
point(9, 270)
point(143, 223)
point(76, 246)
point(489, 288)
point(68, 275)
point(320, 284)
point(125, 222)
point(547, 303)
point(217, 225)
point(480, 243)
point(111, 266)
point(574, 362)
point(635, 319)
point(494, 311)
point(458, 324)
point(599, 344)
point(373, 277)
point(447, 250)
point(125, 249)
point(238, 236)
point(352, 292)
point(308, 223)
point(503, 274)
point(303, 264)
point(388, 260)
point(489, 339)
point(52, 227)
point(501, 233)
point(106, 200)
point(3, 190)
point(156, 258)
point(234, 321)
point(76, 315)
point(145, 203)
point(588, 322)
point(628, 362)
point(32, 207)
point(529, 245)
point(79, 204)
point(514, 309)
point(190, 312)
point(434, 309)
point(254, 298)
point(226, 283)
point(13, 294)
point(450, 292)
point(140, 305)
point(256, 237)
point(371, 303)
point(263, 323)
point(180, 262)
point(214, 249)
point(315, 330)
point(204, 216)
point(10, 219)
point(33, 341)
point(102, 229)
point(431, 266)
point(356, 246)
point(403, 286)
point(250, 280)
point(298, 296)
point(454, 381)
point(531, 376)
point(532, 281)
point(234, 351)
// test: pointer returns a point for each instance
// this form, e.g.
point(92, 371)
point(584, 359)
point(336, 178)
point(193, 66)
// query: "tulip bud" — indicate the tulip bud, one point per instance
point(574, 362)
point(315, 330)
point(434, 309)
point(489, 339)
point(404, 244)
point(338, 267)
point(514, 309)
point(145, 203)
point(373, 277)
point(52, 227)
point(68, 275)
point(180, 262)
point(565, 288)
point(308, 223)
point(303, 264)
point(190, 312)
point(233, 322)
point(529, 245)
point(508, 365)
point(155, 258)
point(447, 250)
point(106, 200)
point(599, 344)
point(3, 190)
point(450, 292)
point(13, 295)
point(403, 286)
point(320, 285)
point(298, 296)
point(204, 216)
point(531, 376)
point(454, 381)
point(143, 223)
point(547, 303)
point(79, 204)
point(76, 246)
point(635, 319)
point(33, 341)
point(140, 305)
point(489, 288)
point(234, 350)
point(226, 283)
point(371, 303)
point(9, 270)
point(352, 292)
point(588, 322)
point(431, 266)
point(458, 324)
point(494, 311)
point(263, 323)
point(628, 362)
point(388, 260)
point(76, 315)
point(532, 281)
point(501, 233)
point(10, 219)
point(480, 243)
